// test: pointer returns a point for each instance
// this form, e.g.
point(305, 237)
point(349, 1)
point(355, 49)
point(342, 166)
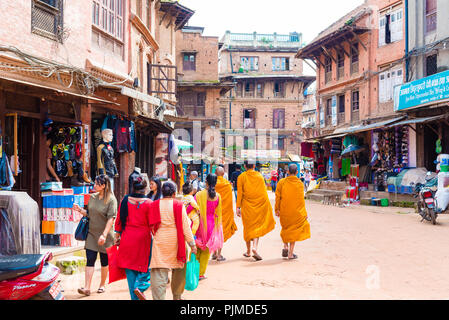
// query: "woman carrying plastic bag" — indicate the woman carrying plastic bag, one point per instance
point(210, 231)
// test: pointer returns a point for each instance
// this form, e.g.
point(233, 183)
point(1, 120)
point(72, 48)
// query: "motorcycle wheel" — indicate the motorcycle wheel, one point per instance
point(433, 216)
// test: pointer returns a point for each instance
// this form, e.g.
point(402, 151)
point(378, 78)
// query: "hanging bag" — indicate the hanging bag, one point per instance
point(82, 229)
point(115, 273)
point(192, 273)
point(216, 240)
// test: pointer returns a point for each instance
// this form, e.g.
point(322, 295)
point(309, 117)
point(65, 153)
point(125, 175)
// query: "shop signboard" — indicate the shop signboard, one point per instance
point(422, 92)
point(261, 154)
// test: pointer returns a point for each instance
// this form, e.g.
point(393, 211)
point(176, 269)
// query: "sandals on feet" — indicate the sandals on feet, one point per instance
point(101, 290)
point(256, 256)
point(293, 257)
point(284, 253)
point(139, 294)
point(221, 258)
point(246, 255)
point(84, 291)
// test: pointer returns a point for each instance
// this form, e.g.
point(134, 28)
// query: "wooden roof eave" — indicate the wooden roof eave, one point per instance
point(331, 40)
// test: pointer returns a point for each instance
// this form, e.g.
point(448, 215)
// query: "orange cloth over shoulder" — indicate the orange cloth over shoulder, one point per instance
point(291, 205)
point(224, 188)
point(252, 198)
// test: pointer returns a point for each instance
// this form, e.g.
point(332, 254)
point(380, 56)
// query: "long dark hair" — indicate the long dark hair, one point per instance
point(211, 180)
point(157, 181)
point(139, 186)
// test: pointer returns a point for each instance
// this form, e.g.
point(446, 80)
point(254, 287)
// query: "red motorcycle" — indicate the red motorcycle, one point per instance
point(29, 276)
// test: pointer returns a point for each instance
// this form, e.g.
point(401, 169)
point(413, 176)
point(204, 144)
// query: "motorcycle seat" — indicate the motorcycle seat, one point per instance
point(18, 265)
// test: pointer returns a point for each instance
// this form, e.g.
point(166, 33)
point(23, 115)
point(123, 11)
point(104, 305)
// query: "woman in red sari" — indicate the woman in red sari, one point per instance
point(134, 238)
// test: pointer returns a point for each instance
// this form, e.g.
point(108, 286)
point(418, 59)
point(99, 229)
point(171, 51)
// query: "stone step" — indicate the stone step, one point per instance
point(327, 191)
point(71, 264)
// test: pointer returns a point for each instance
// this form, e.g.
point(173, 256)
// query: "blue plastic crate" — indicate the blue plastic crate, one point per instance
point(406, 190)
point(391, 188)
point(80, 190)
point(79, 200)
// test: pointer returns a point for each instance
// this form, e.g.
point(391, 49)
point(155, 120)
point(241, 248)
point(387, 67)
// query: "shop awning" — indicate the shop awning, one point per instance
point(180, 144)
point(294, 157)
point(418, 120)
point(361, 128)
point(140, 96)
point(58, 90)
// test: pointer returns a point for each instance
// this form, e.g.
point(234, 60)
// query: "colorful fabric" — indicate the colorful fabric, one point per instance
point(178, 210)
point(210, 217)
point(345, 166)
point(135, 240)
point(224, 188)
point(291, 206)
point(252, 198)
point(164, 252)
point(192, 210)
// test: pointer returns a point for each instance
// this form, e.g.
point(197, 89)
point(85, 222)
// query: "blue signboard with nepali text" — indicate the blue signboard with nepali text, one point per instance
point(422, 92)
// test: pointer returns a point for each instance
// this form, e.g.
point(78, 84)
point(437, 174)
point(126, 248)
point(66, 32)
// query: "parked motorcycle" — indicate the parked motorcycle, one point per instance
point(29, 276)
point(427, 204)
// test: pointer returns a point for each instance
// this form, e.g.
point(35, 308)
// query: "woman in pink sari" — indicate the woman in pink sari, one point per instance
point(209, 236)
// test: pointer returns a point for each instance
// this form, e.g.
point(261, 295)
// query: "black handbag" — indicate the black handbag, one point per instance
point(82, 230)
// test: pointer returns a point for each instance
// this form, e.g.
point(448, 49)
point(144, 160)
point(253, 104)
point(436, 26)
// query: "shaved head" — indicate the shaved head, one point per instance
point(293, 169)
point(219, 171)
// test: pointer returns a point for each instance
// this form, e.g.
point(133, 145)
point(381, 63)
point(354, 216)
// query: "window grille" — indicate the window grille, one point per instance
point(47, 18)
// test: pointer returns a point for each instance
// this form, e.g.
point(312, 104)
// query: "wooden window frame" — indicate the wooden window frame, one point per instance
point(191, 65)
point(353, 102)
point(277, 63)
point(248, 63)
point(57, 11)
point(253, 125)
point(430, 14)
point(278, 121)
point(108, 17)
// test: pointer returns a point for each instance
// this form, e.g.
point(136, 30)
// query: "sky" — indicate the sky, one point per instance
point(308, 17)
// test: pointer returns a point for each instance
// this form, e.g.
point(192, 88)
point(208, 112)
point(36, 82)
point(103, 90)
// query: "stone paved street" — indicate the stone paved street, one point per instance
point(354, 253)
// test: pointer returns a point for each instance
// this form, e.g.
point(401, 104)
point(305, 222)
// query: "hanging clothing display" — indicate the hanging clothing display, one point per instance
point(6, 175)
point(124, 133)
point(336, 146)
point(306, 149)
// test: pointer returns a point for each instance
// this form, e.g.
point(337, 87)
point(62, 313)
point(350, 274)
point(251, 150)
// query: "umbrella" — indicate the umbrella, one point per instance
point(352, 148)
point(182, 144)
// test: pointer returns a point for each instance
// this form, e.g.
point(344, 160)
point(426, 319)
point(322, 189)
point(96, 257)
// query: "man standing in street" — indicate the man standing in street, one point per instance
point(224, 188)
point(255, 209)
point(195, 182)
point(274, 180)
point(234, 177)
point(290, 208)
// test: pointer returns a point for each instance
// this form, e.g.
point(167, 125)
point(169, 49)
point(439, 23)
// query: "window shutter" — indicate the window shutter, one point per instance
point(282, 119)
point(382, 31)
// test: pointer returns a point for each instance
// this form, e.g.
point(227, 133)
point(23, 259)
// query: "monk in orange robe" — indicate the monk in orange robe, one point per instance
point(290, 208)
point(224, 188)
point(254, 207)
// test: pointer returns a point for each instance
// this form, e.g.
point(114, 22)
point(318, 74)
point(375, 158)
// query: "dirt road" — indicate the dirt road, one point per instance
point(354, 253)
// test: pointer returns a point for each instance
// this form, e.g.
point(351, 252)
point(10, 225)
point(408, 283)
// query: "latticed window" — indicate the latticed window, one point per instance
point(108, 16)
point(47, 18)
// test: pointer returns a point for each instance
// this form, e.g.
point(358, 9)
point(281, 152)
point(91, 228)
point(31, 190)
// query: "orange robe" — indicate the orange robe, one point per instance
point(252, 198)
point(291, 205)
point(224, 188)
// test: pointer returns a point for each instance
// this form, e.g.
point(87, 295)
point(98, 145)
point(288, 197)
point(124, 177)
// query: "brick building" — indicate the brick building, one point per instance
point(198, 91)
point(359, 62)
point(77, 64)
point(268, 95)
